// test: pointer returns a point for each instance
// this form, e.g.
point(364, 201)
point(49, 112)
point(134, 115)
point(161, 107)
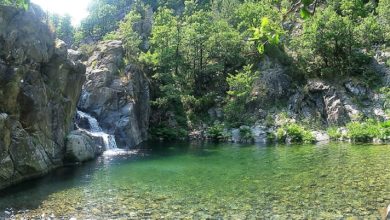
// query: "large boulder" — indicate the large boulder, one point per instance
point(116, 95)
point(39, 91)
point(83, 146)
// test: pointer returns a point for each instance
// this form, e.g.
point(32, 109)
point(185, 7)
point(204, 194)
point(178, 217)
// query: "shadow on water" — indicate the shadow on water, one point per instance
point(30, 194)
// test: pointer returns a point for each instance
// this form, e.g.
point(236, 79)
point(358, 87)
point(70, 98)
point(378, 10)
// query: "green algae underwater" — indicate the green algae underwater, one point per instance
point(213, 181)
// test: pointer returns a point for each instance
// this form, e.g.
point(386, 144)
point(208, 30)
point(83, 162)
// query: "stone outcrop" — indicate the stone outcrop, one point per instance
point(116, 95)
point(82, 146)
point(273, 82)
point(39, 91)
point(336, 104)
point(319, 101)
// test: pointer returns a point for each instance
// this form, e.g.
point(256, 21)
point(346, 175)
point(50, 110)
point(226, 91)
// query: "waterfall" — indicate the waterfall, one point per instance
point(97, 131)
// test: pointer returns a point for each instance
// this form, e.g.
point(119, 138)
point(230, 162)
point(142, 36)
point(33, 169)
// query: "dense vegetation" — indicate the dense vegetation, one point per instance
point(17, 3)
point(203, 55)
point(63, 27)
point(203, 51)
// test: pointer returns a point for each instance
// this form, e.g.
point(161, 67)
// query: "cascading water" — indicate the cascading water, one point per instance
point(97, 131)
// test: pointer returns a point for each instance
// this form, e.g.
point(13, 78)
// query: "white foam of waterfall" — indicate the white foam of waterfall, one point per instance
point(91, 120)
point(97, 131)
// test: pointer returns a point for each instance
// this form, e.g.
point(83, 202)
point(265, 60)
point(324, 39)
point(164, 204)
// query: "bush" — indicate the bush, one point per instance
point(246, 134)
point(240, 86)
point(168, 133)
point(280, 135)
point(87, 49)
point(216, 132)
point(384, 130)
point(294, 133)
point(334, 133)
point(271, 137)
point(363, 132)
point(298, 134)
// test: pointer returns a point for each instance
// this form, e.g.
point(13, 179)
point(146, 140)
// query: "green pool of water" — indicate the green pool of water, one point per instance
point(217, 181)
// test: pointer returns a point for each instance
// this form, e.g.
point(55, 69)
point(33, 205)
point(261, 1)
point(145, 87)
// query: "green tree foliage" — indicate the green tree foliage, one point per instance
point(201, 53)
point(384, 17)
point(240, 87)
point(16, 3)
point(133, 31)
point(332, 40)
point(63, 27)
point(103, 18)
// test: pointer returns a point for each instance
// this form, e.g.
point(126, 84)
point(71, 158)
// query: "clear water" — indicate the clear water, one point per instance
point(223, 181)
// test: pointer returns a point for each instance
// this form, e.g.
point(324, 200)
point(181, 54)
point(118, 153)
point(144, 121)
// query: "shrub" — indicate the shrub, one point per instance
point(271, 137)
point(87, 49)
point(269, 121)
point(331, 40)
point(294, 133)
point(246, 134)
point(168, 133)
point(384, 130)
point(363, 132)
point(113, 35)
point(240, 86)
point(334, 133)
point(280, 135)
point(216, 132)
point(298, 134)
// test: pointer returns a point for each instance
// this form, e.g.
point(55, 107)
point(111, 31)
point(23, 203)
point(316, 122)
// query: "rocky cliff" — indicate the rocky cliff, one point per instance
point(39, 91)
point(116, 94)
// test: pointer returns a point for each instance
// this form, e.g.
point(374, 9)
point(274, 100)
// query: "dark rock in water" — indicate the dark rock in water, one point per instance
point(39, 90)
point(117, 95)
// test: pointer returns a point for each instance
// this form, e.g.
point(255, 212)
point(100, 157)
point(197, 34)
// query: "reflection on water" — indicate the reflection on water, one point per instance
point(214, 181)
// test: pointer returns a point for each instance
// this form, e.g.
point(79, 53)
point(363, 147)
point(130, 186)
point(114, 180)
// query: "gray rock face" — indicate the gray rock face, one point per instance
point(356, 88)
point(39, 91)
point(116, 95)
point(337, 105)
point(321, 101)
point(379, 65)
point(259, 134)
point(273, 82)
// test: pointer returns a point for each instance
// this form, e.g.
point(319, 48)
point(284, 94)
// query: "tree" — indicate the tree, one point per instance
point(332, 39)
point(63, 27)
point(384, 17)
point(240, 87)
point(16, 3)
point(103, 18)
